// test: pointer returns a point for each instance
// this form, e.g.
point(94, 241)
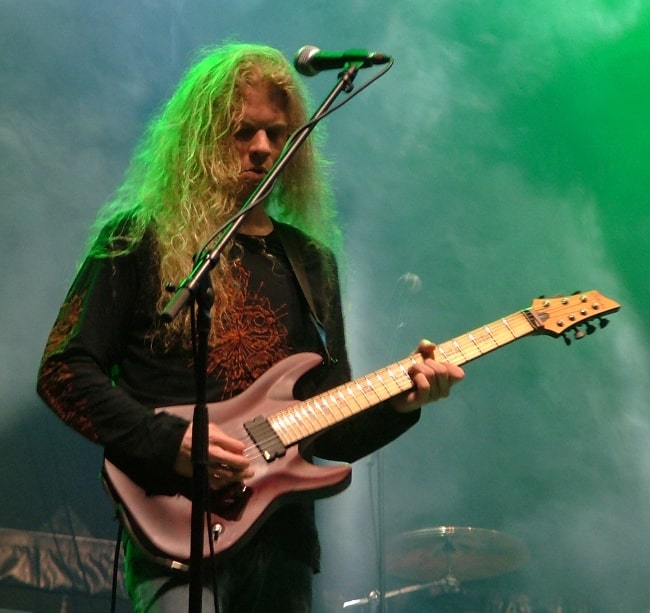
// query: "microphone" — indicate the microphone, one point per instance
point(309, 60)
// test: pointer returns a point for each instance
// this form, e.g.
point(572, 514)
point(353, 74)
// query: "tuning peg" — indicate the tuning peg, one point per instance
point(576, 292)
point(567, 340)
point(590, 328)
point(579, 334)
point(603, 322)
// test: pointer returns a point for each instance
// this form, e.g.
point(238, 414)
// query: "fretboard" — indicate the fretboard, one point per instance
point(308, 417)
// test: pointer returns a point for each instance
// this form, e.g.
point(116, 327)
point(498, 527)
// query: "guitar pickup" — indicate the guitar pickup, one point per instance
point(265, 438)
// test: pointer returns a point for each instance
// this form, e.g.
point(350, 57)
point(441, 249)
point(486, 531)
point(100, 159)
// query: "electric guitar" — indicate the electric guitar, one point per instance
point(272, 423)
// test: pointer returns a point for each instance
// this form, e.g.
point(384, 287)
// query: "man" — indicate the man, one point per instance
point(110, 360)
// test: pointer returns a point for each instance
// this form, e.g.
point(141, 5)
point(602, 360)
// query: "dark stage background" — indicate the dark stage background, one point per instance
point(504, 156)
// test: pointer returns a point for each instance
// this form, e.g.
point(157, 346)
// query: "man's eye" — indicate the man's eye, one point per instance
point(277, 134)
point(244, 133)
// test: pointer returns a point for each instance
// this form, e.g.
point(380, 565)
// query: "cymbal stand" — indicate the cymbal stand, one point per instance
point(446, 585)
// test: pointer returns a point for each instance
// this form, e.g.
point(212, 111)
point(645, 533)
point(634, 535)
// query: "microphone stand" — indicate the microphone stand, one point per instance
point(197, 288)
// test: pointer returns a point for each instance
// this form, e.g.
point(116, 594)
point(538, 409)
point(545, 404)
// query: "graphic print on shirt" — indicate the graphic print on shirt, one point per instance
point(59, 375)
point(65, 325)
point(253, 339)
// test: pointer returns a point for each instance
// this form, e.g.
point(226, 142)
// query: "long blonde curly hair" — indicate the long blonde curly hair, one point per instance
point(181, 184)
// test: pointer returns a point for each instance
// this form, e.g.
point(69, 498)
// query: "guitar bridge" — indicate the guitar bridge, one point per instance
point(265, 438)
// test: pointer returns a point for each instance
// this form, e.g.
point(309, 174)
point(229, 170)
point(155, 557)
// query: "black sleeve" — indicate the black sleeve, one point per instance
point(75, 378)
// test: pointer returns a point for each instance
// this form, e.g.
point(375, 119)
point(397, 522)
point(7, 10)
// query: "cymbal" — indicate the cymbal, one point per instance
point(464, 553)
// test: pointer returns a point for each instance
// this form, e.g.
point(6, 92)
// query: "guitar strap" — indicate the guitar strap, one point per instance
point(294, 255)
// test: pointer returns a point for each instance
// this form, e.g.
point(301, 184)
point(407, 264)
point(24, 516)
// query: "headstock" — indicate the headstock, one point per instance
point(558, 315)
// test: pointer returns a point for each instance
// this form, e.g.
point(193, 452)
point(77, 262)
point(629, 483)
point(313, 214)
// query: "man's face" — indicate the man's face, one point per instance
point(260, 136)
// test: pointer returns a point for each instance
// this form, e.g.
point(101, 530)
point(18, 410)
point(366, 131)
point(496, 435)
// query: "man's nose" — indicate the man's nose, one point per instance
point(260, 143)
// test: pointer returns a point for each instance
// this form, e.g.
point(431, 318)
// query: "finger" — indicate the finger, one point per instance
point(431, 381)
point(216, 436)
point(222, 477)
point(225, 462)
point(224, 450)
point(226, 471)
point(426, 348)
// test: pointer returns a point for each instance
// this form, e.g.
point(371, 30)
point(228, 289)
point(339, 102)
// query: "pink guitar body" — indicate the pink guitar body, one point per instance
point(161, 524)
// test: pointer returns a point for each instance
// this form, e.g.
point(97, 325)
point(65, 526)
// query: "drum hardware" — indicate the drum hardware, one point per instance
point(440, 558)
point(446, 585)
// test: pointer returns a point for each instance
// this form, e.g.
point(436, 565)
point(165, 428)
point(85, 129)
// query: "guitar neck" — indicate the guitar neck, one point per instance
point(314, 415)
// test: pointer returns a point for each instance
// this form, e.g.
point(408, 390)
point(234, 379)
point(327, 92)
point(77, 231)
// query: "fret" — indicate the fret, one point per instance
point(504, 321)
point(313, 414)
point(361, 389)
point(352, 395)
point(336, 411)
point(373, 388)
point(342, 401)
point(489, 331)
point(476, 344)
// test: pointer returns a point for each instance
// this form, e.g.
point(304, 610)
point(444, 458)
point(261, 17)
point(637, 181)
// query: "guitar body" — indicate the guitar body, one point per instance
point(162, 524)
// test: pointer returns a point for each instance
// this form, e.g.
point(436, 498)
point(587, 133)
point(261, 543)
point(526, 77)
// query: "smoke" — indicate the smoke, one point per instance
point(501, 158)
